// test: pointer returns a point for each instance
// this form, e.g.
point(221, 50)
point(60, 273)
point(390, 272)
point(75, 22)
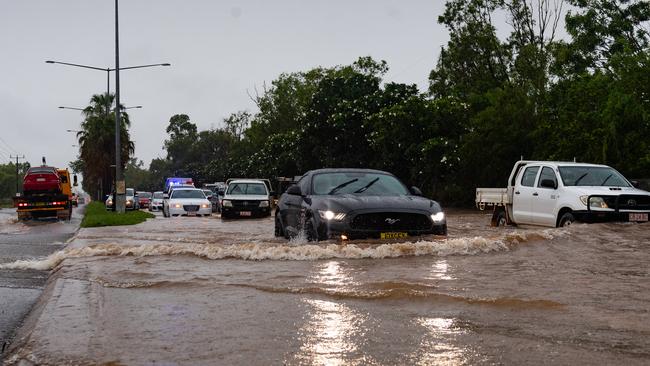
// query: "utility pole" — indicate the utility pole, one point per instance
point(17, 180)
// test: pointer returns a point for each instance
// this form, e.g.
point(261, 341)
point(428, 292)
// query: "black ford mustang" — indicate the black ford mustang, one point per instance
point(356, 203)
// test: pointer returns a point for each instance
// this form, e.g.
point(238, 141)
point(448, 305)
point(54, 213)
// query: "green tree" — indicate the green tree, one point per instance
point(97, 144)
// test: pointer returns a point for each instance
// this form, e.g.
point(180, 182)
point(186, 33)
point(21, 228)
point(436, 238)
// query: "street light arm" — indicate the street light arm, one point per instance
point(77, 65)
point(141, 66)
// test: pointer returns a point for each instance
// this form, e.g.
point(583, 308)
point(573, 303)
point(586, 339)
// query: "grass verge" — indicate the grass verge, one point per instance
point(6, 203)
point(96, 215)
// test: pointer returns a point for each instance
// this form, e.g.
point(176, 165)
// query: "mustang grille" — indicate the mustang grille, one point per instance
point(191, 208)
point(391, 221)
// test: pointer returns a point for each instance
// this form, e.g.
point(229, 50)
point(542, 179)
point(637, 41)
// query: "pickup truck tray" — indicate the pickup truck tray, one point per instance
point(491, 197)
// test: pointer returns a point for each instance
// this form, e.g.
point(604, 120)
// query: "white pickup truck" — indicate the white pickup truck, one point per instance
point(556, 194)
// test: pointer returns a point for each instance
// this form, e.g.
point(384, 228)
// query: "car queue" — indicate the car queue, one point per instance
point(346, 204)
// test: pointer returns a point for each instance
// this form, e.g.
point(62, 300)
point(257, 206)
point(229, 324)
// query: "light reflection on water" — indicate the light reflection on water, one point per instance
point(435, 348)
point(329, 333)
point(331, 274)
point(439, 270)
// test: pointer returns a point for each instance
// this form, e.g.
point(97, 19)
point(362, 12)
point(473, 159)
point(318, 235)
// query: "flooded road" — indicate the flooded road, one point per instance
point(23, 240)
point(203, 291)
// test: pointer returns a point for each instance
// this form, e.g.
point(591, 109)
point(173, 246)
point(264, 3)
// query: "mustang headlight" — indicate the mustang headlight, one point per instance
point(438, 217)
point(595, 202)
point(226, 203)
point(264, 204)
point(177, 205)
point(205, 205)
point(331, 215)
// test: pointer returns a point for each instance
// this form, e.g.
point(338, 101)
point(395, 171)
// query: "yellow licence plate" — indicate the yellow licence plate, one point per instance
point(393, 235)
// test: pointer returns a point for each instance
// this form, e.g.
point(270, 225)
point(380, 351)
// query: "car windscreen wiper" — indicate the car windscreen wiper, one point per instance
point(362, 189)
point(606, 179)
point(579, 179)
point(333, 190)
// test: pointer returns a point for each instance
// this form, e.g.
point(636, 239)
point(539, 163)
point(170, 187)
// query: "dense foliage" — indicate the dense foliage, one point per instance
point(492, 100)
point(9, 182)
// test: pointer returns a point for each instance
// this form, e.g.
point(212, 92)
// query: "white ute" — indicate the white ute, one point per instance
point(556, 194)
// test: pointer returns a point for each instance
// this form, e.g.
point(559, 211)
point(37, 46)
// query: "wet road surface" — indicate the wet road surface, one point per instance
point(202, 291)
point(19, 289)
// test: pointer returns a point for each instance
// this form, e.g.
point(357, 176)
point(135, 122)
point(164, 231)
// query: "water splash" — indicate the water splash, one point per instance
point(293, 250)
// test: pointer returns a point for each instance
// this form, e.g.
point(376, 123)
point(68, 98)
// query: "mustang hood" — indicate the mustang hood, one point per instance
point(350, 202)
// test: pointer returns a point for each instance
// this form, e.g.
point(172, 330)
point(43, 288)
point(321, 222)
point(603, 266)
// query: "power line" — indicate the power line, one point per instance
point(10, 148)
point(4, 150)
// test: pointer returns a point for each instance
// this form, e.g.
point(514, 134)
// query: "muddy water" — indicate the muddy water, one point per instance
point(201, 291)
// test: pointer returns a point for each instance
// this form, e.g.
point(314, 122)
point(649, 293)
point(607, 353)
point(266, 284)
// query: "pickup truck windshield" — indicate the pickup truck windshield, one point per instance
point(258, 189)
point(592, 176)
point(369, 184)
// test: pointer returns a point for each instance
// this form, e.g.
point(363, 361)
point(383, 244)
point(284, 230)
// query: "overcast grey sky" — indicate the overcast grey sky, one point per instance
point(218, 51)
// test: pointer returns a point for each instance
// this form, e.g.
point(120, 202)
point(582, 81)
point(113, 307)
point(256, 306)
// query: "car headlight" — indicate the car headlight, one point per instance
point(109, 202)
point(205, 205)
point(264, 204)
point(226, 203)
point(438, 217)
point(596, 202)
point(176, 205)
point(331, 215)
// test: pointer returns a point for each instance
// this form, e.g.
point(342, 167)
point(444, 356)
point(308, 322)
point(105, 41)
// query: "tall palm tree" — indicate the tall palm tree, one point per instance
point(97, 142)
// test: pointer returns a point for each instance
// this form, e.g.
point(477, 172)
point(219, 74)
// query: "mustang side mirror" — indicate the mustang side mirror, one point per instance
point(416, 191)
point(294, 190)
point(635, 183)
point(549, 183)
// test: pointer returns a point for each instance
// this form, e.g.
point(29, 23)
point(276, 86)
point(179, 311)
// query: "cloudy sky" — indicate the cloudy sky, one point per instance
point(219, 50)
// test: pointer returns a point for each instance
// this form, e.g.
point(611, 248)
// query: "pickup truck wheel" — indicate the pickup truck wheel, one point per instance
point(567, 219)
point(499, 219)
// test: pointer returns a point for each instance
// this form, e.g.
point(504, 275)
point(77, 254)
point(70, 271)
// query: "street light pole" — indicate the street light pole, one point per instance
point(120, 189)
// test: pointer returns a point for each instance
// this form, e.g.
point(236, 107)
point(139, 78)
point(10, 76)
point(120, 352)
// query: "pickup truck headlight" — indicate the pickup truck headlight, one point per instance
point(438, 217)
point(226, 203)
point(264, 204)
point(596, 202)
point(331, 215)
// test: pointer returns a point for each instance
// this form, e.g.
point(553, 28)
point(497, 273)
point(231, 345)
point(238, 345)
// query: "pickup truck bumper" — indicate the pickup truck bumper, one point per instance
point(244, 212)
point(592, 216)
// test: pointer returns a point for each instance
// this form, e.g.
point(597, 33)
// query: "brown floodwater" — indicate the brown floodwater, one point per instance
point(203, 291)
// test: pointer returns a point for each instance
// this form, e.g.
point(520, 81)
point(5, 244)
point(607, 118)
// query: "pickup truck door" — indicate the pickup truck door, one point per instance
point(523, 195)
point(544, 204)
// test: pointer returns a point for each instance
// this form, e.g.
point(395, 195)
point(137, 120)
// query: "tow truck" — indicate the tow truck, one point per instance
point(47, 192)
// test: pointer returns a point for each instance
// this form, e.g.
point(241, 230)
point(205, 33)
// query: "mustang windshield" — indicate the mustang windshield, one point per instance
point(367, 184)
point(187, 193)
point(592, 176)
